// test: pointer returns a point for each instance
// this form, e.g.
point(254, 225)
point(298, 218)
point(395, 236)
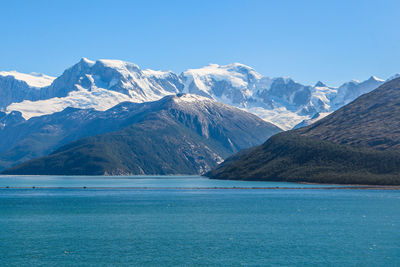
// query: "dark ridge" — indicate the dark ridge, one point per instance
point(358, 144)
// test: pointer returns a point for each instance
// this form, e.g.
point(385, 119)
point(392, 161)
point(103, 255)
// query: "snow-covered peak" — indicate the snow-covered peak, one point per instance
point(353, 81)
point(160, 74)
point(185, 98)
point(374, 78)
point(231, 84)
point(100, 85)
point(103, 83)
point(88, 61)
point(353, 89)
point(33, 79)
point(119, 65)
point(320, 84)
point(241, 68)
point(234, 69)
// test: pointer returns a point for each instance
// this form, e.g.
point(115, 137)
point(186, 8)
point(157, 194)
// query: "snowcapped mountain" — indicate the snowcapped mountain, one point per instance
point(10, 119)
point(203, 132)
point(17, 87)
point(353, 89)
point(103, 84)
point(36, 80)
point(100, 85)
point(281, 101)
point(357, 144)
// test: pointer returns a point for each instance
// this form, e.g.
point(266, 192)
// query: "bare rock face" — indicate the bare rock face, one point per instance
point(12, 90)
point(179, 134)
point(103, 84)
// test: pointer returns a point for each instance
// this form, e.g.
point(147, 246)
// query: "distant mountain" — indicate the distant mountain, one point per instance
point(23, 140)
point(359, 143)
point(371, 121)
point(100, 85)
point(179, 134)
point(281, 101)
point(10, 119)
point(315, 118)
point(17, 87)
point(103, 84)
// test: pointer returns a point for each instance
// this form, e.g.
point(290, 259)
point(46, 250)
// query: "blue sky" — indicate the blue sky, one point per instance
point(332, 41)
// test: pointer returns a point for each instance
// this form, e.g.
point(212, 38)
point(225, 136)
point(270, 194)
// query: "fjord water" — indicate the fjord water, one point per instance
point(169, 226)
point(134, 181)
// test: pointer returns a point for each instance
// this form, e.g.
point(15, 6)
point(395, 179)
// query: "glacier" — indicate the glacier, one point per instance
point(104, 83)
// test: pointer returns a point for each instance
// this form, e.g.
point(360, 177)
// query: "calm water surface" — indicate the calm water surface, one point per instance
point(169, 227)
point(134, 181)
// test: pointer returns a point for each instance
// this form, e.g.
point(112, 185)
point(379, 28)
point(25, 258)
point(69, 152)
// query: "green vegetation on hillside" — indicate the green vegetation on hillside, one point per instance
point(295, 158)
point(372, 120)
point(358, 144)
point(139, 149)
point(180, 134)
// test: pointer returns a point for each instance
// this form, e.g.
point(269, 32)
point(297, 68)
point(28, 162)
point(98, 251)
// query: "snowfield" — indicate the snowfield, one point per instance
point(105, 83)
point(33, 79)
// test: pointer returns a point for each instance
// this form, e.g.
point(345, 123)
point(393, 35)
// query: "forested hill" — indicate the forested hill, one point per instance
point(358, 144)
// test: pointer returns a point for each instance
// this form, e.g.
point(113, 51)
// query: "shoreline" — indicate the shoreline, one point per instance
point(348, 187)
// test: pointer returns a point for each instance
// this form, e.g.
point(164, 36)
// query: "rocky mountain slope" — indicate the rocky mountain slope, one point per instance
point(16, 87)
point(179, 134)
point(99, 85)
point(103, 84)
point(359, 143)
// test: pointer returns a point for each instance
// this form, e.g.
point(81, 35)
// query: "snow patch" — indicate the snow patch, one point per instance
point(88, 61)
point(157, 73)
point(190, 98)
point(33, 79)
point(98, 98)
point(281, 117)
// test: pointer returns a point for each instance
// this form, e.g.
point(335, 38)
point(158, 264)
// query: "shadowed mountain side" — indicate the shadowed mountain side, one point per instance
point(138, 149)
point(184, 134)
point(372, 120)
point(294, 158)
point(358, 144)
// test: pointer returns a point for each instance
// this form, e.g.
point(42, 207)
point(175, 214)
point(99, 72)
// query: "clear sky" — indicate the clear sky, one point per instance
point(332, 41)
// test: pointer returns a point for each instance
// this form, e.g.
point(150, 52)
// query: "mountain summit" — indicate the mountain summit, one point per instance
point(105, 83)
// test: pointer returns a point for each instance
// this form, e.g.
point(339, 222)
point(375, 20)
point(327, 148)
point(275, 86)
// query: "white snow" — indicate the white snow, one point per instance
point(310, 121)
point(123, 67)
point(156, 73)
point(88, 61)
point(203, 77)
point(190, 98)
point(140, 87)
point(115, 81)
point(33, 79)
point(281, 117)
point(98, 98)
point(377, 79)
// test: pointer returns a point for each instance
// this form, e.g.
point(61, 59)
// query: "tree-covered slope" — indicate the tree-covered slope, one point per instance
point(360, 143)
point(372, 120)
point(184, 134)
point(295, 158)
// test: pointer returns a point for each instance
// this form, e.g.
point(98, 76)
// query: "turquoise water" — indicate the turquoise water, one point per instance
point(134, 181)
point(169, 227)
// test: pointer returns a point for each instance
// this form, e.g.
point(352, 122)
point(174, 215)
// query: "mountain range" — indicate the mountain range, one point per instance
point(111, 117)
point(179, 134)
point(103, 84)
point(357, 144)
